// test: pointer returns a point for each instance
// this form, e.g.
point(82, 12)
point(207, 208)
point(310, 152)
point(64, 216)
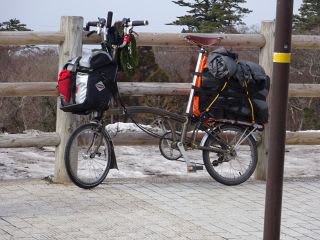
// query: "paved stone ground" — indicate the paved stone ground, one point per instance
point(155, 208)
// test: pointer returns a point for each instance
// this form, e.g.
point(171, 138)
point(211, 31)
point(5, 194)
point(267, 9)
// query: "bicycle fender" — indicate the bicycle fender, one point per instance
point(113, 164)
point(204, 139)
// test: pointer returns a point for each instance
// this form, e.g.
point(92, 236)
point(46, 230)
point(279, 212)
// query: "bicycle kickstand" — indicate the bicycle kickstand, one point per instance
point(191, 167)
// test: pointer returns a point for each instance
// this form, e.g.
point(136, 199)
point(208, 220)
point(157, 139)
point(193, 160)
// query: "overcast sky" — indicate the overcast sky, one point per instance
point(44, 15)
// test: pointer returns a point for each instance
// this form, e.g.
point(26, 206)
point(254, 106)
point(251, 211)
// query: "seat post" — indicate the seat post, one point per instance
point(189, 106)
point(191, 95)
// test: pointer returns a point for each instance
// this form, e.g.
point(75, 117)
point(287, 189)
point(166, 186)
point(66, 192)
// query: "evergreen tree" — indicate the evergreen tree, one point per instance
point(308, 19)
point(211, 15)
point(13, 25)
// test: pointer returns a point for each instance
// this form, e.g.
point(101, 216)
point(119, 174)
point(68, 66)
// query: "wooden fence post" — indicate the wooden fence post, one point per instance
point(71, 47)
point(265, 60)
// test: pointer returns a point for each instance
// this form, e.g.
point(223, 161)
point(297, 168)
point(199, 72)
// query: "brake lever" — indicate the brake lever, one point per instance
point(102, 22)
point(135, 33)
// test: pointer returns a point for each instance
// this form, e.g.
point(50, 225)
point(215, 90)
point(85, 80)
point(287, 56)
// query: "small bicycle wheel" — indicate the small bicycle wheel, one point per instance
point(88, 155)
point(238, 161)
point(168, 146)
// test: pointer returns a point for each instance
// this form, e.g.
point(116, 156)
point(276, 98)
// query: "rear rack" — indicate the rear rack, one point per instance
point(259, 127)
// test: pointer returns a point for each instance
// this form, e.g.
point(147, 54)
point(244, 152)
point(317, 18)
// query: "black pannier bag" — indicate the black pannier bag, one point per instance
point(92, 83)
point(239, 94)
point(230, 103)
point(252, 76)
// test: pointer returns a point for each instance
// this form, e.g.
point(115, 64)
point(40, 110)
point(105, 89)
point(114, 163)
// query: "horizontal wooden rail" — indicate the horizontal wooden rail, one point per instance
point(27, 38)
point(303, 138)
point(20, 89)
point(134, 138)
point(34, 89)
point(306, 41)
point(29, 140)
point(157, 39)
point(130, 138)
point(178, 39)
point(152, 88)
point(304, 90)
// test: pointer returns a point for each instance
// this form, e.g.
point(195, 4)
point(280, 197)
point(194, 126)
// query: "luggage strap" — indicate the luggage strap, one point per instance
point(250, 102)
point(217, 96)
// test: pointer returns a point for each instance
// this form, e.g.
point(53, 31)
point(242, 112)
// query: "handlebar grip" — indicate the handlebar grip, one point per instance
point(91, 24)
point(109, 19)
point(139, 23)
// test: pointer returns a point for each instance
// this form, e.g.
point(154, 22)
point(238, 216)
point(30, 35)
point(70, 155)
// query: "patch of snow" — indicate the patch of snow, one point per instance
point(141, 161)
point(30, 50)
point(121, 127)
point(33, 132)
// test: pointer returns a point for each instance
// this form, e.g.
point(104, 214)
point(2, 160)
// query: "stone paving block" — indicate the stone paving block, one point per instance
point(4, 234)
point(173, 210)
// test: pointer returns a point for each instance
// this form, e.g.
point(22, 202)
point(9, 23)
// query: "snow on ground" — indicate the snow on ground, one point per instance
point(142, 161)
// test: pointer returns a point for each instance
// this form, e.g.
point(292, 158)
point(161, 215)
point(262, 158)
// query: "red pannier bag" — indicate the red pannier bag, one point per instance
point(64, 81)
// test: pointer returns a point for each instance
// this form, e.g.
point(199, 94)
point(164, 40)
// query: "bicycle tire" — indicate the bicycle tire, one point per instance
point(167, 148)
point(88, 165)
point(230, 169)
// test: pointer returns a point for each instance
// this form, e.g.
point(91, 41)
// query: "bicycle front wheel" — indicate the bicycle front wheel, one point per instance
point(239, 158)
point(88, 155)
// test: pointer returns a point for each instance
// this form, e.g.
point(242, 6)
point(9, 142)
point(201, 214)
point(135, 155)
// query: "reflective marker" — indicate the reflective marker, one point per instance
point(282, 57)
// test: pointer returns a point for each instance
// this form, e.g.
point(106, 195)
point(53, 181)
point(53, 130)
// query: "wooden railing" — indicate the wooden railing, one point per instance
point(70, 40)
point(37, 89)
point(158, 39)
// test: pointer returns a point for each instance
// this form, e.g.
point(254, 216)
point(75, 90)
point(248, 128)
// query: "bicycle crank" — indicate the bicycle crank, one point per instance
point(190, 166)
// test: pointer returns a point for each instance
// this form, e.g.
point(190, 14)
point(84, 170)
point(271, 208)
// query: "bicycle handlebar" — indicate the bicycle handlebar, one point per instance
point(128, 23)
point(91, 24)
point(107, 23)
point(103, 25)
point(139, 23)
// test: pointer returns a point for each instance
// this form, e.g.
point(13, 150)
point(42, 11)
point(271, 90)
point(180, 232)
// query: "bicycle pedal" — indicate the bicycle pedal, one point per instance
point(194, 168)
point(199, 167)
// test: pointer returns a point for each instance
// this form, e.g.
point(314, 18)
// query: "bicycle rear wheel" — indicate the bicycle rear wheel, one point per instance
point(88, 155)
point(239, 161)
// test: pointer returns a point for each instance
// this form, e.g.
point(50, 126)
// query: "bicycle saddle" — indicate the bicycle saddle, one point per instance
point(203, 41)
